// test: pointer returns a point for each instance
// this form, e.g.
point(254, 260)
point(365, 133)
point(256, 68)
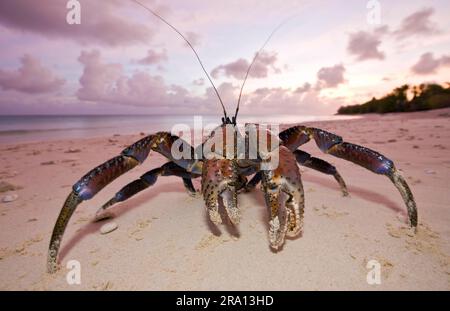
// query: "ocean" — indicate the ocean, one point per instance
point(32, 128)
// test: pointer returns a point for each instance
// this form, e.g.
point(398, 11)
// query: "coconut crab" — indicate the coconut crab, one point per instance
point(224, 171)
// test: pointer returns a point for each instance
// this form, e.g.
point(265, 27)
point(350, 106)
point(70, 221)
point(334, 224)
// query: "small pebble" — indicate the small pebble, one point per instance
point(10, 198)
point(430, 172)
point(109, 227)
point(72, 150)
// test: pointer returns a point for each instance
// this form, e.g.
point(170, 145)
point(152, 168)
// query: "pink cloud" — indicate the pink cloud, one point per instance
point(365, 45)
point(154, 57)
point(199, 82)
point(32, 77)
point(193, 38)
point(428, 64)
point(418, 23)
point(330, 77)
point(107, 83)
point(99, 22)
point(306, 87)
point(262, 101)
point(238, 68)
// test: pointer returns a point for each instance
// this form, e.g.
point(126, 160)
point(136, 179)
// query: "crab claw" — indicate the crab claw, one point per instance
point(286, 214)
point(219, 182)
point(229, 199)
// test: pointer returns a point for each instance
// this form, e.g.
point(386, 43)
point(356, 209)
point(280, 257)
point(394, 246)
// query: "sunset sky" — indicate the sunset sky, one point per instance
point(122, 60)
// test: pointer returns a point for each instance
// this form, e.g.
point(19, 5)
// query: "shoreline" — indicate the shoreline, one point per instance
point(81, 128)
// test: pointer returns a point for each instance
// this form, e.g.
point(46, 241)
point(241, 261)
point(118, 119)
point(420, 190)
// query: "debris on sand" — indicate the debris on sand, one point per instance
point(103, 215)
point(109, 227)
point(136, 232)
point(209, 241)
point(72, 150)
point(10, 198)
point(48, 163)
point(430, 172)
point(5, 187)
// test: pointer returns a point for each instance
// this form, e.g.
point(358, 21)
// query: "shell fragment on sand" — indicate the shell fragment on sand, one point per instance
point(109, 227)
point(10, 198)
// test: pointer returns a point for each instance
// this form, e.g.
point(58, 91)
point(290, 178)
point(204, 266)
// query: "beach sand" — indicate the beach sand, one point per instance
point(165, 242)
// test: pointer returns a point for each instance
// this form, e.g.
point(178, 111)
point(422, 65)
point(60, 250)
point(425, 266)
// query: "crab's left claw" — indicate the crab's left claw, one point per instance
point(286, 219)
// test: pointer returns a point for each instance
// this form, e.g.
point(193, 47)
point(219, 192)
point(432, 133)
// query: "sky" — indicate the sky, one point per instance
point(121, 59)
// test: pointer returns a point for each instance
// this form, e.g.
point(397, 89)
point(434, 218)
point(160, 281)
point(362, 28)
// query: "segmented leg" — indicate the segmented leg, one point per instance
point(220, 180)
point(253, 182)
point(286, 218)
point(365, 157)
point(305, 159)
point(91, 183)
point(145, 181)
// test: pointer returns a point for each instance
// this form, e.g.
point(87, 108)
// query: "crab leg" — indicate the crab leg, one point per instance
point(373, 161)
point(305, 159)
point(145, 181)
point(284, 220)
point(94, 181)
point(220, 180)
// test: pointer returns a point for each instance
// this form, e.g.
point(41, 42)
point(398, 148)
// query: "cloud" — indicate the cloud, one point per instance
point(102, 22)
point(193, 38)
point(199, 82)
point(418, 23)
point(427, 64)
point(264, 101)
point(306, 87)
point(237, 69)
point(330, 77)
point(365, 45)
point(153, 57)
point(107, 83)
point(101, 82)
point(32, 77)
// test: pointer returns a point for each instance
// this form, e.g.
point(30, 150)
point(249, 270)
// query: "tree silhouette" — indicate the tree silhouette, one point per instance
point(425, 97)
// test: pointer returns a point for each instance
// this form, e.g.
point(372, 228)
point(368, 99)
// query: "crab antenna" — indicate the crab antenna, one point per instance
point(253, 61)
point(190, 45)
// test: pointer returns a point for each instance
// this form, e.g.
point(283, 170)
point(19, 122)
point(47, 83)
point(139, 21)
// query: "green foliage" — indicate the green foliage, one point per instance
point(425, 97)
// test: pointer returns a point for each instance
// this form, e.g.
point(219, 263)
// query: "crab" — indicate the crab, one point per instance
point(224, 172)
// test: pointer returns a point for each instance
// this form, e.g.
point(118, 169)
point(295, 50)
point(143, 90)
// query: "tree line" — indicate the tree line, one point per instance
point(424, 97)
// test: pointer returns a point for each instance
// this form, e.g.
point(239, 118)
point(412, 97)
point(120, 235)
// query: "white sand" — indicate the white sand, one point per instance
point(165, 242)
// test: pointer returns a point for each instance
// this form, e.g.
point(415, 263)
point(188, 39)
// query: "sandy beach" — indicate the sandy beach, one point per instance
point(164, 240)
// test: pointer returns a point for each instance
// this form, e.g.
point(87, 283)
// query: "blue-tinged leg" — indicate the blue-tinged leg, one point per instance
point(95, 180)
point(145, 181)
point(306, 160)
point(372, 160)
